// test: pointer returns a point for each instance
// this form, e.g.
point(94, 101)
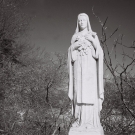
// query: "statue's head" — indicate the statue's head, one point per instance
point(83, 22)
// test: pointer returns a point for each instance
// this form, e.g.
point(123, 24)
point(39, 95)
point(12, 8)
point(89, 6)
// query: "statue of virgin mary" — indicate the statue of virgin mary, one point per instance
point(85, 64)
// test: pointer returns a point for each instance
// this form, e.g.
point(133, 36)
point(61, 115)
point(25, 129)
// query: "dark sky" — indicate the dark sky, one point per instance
point(54, 21)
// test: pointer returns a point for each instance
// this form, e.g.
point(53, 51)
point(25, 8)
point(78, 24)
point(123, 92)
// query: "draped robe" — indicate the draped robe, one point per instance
point(86, 82)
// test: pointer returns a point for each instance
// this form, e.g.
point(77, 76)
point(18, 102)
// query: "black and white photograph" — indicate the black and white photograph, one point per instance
point(67, 67)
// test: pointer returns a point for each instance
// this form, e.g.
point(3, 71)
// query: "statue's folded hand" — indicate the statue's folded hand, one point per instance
point(89, 37)
point(77, 45)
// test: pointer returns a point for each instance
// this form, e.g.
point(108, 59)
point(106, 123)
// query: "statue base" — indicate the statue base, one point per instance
point(85, 131)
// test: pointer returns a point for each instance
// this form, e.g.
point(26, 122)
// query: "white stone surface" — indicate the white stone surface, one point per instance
point(86, 129)
point(86, 132)
point(85, 62)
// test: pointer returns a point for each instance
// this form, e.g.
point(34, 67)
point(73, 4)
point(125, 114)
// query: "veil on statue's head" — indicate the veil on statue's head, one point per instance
point(88, 24)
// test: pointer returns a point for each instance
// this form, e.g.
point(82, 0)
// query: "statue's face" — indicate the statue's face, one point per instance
point(82, 21)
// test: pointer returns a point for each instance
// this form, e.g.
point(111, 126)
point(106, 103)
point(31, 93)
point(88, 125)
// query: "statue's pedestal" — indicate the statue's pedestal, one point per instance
point(85, 131)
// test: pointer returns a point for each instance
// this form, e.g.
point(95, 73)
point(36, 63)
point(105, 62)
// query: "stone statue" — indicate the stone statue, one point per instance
point(85, 64)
